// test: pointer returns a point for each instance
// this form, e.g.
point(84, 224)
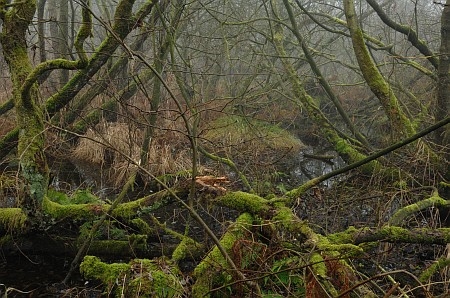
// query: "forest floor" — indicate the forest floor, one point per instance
point(327, 210)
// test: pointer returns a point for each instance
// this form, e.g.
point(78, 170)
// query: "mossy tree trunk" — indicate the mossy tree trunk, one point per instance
point(321, 78)
point(400, 125)
point(343, 145)
point(30, 123)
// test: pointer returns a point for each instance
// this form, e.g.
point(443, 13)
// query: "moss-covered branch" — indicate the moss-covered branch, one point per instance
point(148, 203)
point(400, 124)
point(296, 192)
point(83, 33)
point(323, 82)
point(139, 278)
point(8, 142)
point(124, 23)
point(73, 211)
point(379, 45)
point(214, 269)
point(434, 201)
point(244, 202)
point(393, 234)
point(345, 148)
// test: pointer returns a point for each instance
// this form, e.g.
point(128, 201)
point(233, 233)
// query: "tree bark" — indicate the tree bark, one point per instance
point(400, 124)
point(443, 87)
point(32, 161)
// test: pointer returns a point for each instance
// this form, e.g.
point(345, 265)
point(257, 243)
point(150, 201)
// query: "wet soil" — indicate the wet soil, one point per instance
point(41, 276)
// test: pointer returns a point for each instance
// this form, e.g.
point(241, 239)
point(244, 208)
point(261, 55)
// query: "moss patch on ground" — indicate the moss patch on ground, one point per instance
point(244, 134)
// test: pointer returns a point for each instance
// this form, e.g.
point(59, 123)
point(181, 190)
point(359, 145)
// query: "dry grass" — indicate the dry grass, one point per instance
point(108, 143)
point(115, 148)
point(112, 146)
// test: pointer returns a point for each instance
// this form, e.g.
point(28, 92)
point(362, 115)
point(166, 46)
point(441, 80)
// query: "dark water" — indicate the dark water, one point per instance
point(40, 276)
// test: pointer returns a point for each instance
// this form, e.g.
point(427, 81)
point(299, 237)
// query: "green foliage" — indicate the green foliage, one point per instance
point(272, 183)
point(80, 196)
point(58, 197)
point(286, 277)
point(83, 196)
point(139, 278)
point(108, 231)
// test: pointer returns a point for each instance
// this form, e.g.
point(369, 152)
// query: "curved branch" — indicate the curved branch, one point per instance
point(378, 44)
point(114, 39)
point(408, 31)
point(402, 235)
point(434, 201)
point(83, 33)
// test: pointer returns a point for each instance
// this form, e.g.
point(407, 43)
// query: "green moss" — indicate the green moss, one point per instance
point(436, 267)
point(117, 247)
point(73, 211)
point(128, 209)
point(299, 191)
point(30, 148)
point(164, 281)
point(333, 245)
point(83, 196)
point(318, 265)
point(212, 270)
point(399, 217)
point(345, 236)
point(244, 202)
point(143, 205)
point(93, 267)
point(284, 214)
point(58, 197)
point(187, 247)
point(142, 226)
point(346, 249)
point(139, 278)
point(12, 219)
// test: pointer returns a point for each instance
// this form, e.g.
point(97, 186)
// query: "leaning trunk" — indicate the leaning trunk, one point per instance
point(32, 162)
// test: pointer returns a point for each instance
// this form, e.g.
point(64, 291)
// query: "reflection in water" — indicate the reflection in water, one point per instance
point(314, 163)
